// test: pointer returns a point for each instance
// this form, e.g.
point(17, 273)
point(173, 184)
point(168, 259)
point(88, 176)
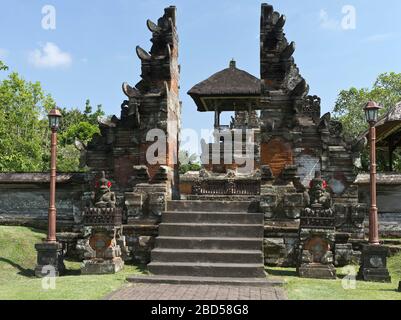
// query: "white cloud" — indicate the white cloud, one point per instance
point(328, 23)
point(3, 53)
point(379, 37)
point(49, 56)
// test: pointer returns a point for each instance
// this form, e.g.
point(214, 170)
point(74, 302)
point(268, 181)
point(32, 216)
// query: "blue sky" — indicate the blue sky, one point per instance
point(92, 50)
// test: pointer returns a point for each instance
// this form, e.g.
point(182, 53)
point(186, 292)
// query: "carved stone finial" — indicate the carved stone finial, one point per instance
point(142, 54)
point(278, 70)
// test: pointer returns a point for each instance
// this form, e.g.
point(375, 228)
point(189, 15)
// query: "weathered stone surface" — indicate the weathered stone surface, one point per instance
point(374, 264)
point(389, 206)
point(345, 255)
point(50, 260)
point(317, 271)
point(121, 149)
point(114, 265)
point(24, 199)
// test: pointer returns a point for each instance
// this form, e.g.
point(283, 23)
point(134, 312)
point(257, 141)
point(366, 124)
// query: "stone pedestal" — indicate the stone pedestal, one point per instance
point(101, 266)
point(316, 256)
point(104, 254)
point(374, 264)
point(317, 271)
point(50, 259)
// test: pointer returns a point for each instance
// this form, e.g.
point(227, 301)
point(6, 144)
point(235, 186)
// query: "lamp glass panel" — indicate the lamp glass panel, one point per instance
point(373, 115)
point(54, 122)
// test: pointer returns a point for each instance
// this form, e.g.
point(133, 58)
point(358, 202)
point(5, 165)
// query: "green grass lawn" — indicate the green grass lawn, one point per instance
point(18, 259)
point(315, 289)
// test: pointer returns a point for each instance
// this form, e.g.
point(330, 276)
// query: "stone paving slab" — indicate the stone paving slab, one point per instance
point(152, 291)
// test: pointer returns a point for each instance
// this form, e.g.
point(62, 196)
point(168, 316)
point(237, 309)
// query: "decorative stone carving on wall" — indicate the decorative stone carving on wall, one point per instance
point(281, 198)
point(311, 107)
point(277, 153)
point(148, 197)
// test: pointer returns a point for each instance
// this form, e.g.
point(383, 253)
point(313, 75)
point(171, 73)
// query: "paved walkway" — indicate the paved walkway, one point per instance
point(152, 291)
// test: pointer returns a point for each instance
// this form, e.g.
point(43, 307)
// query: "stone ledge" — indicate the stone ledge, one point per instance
point(382, 178)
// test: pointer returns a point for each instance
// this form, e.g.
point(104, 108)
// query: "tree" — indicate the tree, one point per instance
point(22, 128)
point(76, 125)
point(24, 131)
point(349, 109)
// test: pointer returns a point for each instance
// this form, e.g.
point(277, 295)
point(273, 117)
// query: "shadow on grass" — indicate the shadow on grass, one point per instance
point(72, 272)
point(141, 267)
point(281, 273)
point(22, 271)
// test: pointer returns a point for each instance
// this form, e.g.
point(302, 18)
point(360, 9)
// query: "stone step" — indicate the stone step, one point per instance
point(209, 243)
point(226, 270)
point(212, 206)
point(207, 256)
point(212, 217)
point(211, 230)
point(181, 280)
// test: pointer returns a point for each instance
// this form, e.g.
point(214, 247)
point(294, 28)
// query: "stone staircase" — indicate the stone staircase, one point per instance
point(209, 239)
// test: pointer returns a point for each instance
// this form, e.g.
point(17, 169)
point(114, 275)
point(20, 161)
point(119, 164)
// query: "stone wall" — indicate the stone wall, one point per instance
point(388, 201)
point(24, 199)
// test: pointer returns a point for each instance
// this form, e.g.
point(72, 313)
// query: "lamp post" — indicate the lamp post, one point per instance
point(54, 123)
point(371, 113)
point(374, 256)
point(50, 258)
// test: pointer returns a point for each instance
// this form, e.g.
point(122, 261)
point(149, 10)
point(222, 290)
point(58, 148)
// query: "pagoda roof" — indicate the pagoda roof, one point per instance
point(388, 127)
point(231, 83)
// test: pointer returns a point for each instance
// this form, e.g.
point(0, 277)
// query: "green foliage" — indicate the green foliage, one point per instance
point(349, 105)
point(3, 66)
point(349, 110)
point(68, 158)
point(22, 128)
point(184, 168)
point(24, 132)
point(188, 162)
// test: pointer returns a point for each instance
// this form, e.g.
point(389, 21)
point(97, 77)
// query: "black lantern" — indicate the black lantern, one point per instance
point(54, 119)
point(372, 112)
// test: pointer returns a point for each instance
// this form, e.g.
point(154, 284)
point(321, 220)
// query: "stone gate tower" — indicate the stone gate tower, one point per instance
point(153, 104)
